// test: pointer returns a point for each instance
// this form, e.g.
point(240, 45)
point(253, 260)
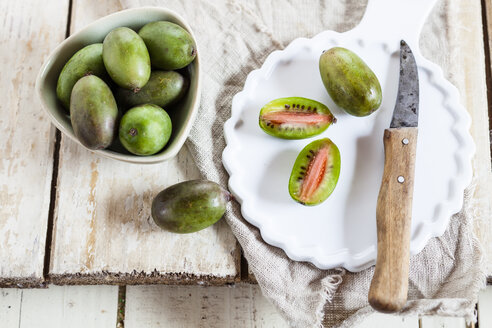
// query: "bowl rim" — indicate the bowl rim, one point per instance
point(179, 138)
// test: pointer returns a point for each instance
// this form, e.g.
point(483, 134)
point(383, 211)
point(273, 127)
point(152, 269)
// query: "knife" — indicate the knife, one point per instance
point(389, 285)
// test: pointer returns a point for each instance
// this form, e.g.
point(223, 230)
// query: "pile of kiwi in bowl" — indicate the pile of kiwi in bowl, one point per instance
point(174, 116)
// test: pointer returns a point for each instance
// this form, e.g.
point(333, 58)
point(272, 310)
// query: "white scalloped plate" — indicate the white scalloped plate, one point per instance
point(342, 230)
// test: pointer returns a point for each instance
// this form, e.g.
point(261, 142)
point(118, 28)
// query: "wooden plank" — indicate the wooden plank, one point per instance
point(465, 68)
point(10, 303)
point(174, 306)
point(468, 61)
point(378, 320)
point(484, 307)
point(69, 306)
point(483, 227)
point(442, 322)
point(103, 232)
point(265, 315)
point(30, 30)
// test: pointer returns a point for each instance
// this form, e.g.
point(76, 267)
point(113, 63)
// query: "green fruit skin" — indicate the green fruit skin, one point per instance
point(351, 84)
point(86, 61)
point(126, 58)
point(294, 133)
point(145, 130)
point(163, 89)
point(189, 206)
point(330, 178)
point(93, 112)
point(170, 46)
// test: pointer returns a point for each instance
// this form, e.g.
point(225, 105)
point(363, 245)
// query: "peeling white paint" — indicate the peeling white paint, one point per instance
point(27, 146)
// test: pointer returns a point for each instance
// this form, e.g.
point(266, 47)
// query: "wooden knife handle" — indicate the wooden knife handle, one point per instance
point(389, 286)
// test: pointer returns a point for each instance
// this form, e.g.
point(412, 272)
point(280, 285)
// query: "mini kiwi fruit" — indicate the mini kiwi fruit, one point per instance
point(295, 118)
point(190, 206)
point(315, 172)
point(351, 84)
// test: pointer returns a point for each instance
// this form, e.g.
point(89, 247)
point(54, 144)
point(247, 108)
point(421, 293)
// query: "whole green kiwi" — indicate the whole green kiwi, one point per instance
point(93, 112)
point(126, 58)
point(351, 84)
point(170, 46)
point(86, 61)
point(190, 206)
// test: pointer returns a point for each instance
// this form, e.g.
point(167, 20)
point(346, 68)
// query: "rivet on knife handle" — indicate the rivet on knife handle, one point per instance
point(389, 287)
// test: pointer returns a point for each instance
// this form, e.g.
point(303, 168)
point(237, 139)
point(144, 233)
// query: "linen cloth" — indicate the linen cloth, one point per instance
point(235, 37)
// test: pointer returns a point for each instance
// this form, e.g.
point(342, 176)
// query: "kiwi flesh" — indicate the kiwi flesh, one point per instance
point(295, 118)
point(315, 172)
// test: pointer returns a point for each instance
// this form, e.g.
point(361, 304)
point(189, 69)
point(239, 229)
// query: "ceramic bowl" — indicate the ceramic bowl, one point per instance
point(182, 114)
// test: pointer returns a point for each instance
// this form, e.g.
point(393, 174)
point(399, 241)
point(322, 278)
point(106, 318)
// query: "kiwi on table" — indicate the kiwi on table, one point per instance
point(315, 172)
point(295, 118)
point(190, 206)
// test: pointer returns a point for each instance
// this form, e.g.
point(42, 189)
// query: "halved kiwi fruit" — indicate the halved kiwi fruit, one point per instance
point(295, 118)
point(315, 172)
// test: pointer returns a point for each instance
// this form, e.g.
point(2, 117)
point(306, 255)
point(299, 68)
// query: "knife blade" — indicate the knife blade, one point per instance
point(389, 285)
point(406, 112)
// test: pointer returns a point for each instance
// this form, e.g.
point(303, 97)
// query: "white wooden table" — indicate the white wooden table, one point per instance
point(62, 220)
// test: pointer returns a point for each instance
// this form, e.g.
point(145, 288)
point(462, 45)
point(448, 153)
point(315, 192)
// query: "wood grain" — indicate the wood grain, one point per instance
point(469, 63)
point(389, 286)
point(10, 306)
point(379, 320)
point(442, 322)
point(69, 306)
point(103, 231)
point(29, 31)
point(484, 307)
point(173, 307)
point(482, 129)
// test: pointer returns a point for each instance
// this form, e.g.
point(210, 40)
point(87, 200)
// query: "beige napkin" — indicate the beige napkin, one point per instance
point(235, 37)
